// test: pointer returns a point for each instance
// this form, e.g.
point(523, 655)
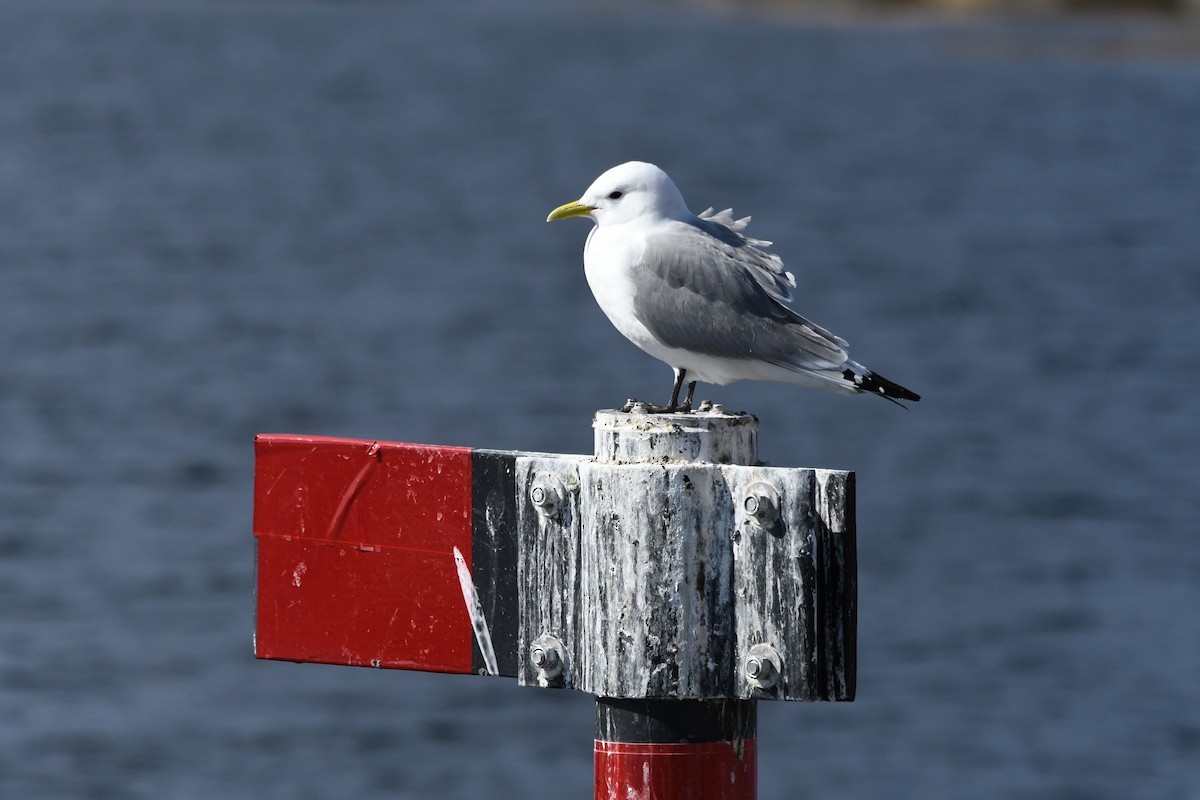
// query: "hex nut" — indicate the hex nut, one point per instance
point(761, 503)
point(762, 666)
point(546, 653)
point(547, 494)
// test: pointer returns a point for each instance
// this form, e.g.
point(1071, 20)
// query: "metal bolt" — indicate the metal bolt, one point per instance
point(762, 503)
point(762, 666)
point(757, 669)
point(545, 495)
point(544, 659)
point(545, 653)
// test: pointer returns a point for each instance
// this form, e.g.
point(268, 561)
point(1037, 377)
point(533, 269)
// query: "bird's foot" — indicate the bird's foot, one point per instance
point(633, 406)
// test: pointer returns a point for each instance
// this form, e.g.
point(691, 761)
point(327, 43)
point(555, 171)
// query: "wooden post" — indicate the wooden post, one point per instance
point(671, 575)
point(659, 597)
point(680, 581)
point(671, 563)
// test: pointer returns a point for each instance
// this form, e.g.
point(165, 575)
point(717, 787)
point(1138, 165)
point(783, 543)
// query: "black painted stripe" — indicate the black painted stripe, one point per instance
point(656, 721)
point(494, 554)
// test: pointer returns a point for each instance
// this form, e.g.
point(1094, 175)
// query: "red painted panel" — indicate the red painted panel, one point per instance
point(355, 552)
point(702, 771)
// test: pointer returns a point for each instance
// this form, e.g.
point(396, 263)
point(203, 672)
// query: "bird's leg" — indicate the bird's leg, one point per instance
point(687, 401)
point(673, 405)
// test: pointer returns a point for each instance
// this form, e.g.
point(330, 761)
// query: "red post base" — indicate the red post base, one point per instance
point(676, 749)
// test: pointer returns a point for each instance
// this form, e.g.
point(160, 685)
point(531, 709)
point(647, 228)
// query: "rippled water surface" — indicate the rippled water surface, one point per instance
point(220, 219)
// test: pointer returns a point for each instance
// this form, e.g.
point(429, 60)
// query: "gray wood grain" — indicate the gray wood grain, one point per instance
point(659, 581)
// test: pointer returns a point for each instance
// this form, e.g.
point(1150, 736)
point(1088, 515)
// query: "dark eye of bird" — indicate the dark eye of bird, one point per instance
point(614, 195)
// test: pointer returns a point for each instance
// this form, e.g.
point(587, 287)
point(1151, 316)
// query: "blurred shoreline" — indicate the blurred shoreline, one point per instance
point(1119, 30)
point(1177, 10)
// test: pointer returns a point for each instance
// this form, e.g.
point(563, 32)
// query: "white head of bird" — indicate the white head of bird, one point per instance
point(634, 190)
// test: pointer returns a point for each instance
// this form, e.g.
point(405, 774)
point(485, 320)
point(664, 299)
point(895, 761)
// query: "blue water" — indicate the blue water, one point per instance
point(218, 219)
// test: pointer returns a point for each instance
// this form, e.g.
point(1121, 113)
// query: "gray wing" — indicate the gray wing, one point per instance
point(703, 286)
point(767, 268)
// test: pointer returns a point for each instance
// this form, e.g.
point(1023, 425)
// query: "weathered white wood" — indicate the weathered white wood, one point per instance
point(656, 581)
point(796, 586)
point(548, 564)
point(774, 581)
point(709, 438)
point(662, 577)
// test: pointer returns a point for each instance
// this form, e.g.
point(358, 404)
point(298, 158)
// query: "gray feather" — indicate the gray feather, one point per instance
point(703, 286)
point(767, 268)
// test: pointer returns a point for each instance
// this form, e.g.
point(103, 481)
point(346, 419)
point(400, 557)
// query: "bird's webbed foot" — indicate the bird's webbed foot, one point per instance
point(673, 406)
point(635, 406)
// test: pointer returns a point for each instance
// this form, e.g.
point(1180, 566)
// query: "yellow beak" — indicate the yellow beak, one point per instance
point(576, 209)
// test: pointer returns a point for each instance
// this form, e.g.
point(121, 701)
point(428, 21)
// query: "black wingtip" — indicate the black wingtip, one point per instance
point(871, 383)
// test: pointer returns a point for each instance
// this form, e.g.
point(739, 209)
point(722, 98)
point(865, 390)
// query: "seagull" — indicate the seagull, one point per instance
point(700, 295)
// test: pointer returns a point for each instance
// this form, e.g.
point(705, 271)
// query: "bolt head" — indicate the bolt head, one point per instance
point(759, 669)
point(762, 666)
point(545, 496)
point(761, 503)
point(544, 657)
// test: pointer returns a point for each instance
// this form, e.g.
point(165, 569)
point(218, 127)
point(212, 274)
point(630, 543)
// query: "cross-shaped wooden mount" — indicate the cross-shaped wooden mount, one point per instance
point(670, 574)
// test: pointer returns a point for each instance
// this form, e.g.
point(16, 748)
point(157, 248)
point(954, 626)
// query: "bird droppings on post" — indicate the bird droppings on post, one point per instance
point(676, 438)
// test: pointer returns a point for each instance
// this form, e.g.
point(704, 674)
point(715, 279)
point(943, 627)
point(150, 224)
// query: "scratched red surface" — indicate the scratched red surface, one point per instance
point(700, 771)
point(355, 552)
